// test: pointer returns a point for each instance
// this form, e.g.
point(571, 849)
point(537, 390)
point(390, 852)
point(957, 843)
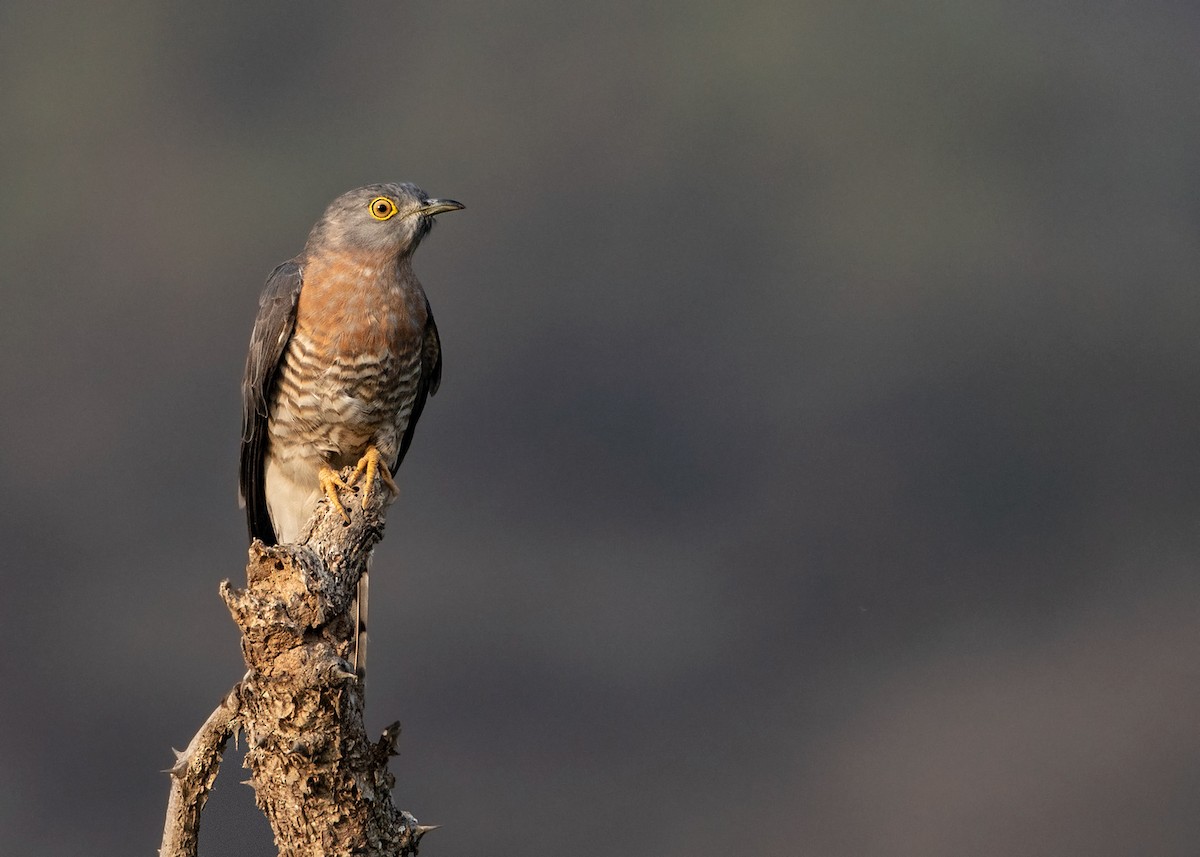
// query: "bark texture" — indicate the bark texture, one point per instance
point(192, 778)
point(325, 788)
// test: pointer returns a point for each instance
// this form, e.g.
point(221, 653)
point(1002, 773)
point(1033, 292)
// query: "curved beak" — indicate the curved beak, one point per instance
point(437, 206)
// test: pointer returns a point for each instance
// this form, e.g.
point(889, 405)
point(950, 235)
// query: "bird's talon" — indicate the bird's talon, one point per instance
point(330, 482)
point(370, 464)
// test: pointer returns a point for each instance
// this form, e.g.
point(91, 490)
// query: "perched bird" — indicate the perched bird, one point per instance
point(343, 356)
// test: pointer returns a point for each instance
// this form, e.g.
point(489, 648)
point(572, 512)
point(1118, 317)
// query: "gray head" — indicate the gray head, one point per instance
point(379, 218)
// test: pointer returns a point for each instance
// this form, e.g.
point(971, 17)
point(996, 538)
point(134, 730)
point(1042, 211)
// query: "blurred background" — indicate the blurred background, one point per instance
point(815, 467)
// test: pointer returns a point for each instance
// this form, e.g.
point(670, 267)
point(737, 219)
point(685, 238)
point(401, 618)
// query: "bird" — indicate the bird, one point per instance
point(343, 357)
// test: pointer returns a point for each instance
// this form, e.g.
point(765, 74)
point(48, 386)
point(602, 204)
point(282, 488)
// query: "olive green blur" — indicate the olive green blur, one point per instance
point(816, 467)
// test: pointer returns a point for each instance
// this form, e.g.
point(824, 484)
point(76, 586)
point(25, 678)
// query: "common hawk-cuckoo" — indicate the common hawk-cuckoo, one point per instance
point(343, 355)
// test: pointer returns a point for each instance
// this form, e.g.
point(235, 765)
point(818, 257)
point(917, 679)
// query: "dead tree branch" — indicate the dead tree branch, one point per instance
point(192, 778)
point(324, 788)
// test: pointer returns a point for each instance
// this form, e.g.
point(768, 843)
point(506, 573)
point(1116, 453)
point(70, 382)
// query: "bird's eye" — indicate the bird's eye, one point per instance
point(382, 208)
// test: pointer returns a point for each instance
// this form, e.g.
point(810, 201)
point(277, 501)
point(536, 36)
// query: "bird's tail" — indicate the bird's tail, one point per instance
point(359, 611)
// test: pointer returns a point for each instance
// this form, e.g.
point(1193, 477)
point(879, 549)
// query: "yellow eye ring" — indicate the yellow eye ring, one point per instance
point(382, 208)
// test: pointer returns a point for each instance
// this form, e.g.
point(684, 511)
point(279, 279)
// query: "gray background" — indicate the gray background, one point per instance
point(815, 470)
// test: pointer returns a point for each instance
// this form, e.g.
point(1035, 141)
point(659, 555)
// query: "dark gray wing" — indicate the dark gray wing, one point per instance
point(272, 330)
point(427, 385)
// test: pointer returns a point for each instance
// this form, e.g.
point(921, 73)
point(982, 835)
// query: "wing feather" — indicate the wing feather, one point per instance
point(427, 384)
point(272, 329)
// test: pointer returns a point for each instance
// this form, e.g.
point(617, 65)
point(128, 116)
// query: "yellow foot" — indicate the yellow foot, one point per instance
point(330, 483)
point(372, 464)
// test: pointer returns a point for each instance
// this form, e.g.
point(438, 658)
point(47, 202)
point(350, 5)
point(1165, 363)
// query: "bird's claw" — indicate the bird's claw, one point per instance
point(330, 483)
point(372, 464)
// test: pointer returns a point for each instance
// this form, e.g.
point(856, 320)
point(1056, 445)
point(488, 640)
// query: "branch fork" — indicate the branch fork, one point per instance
point(324, 788)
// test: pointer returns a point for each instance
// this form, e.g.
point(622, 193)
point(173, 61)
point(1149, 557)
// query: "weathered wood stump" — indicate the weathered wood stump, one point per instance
point(325, 789)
